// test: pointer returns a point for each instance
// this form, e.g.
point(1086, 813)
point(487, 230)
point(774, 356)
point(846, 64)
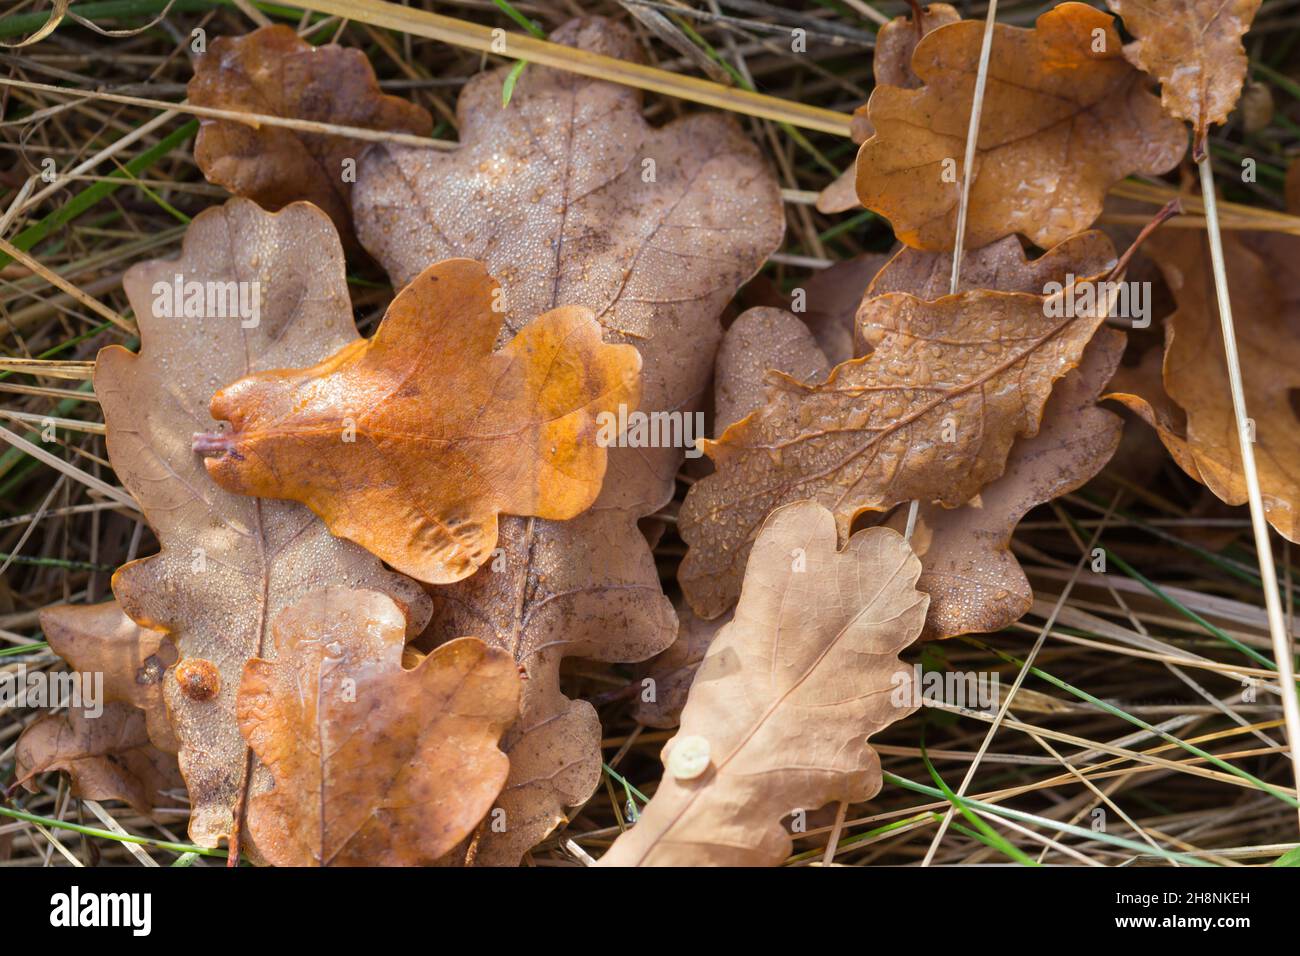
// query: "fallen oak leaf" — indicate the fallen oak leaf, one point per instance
point(1193, 47)
point(411, 442)
point(1141, 389)
point(273, 71)
point(891, 64)
point(108, 756)
point(1065, 117)
point(1002, 266)
point(227, 563)
point(102, 639)
point(781, 709)
point(759, 339)
point(833, 297)
point(374, 764)
point(584, 588)
point(654, 230)
point(974, 581)
point(571, 196)
point(663, 681)
point(975, 367)
point(1196, 377)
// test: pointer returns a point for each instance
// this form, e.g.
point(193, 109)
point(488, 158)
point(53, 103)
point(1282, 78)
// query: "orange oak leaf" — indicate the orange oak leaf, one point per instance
point(1065, 116)
point(108, 756)
point(1194, 416)
point(251, 290)
point(1193, 47)
point(892, 66)
point(781, 710)
point(411, 442)
point(569, 196)
point(975, 583)
point(374, 764)
point(100, 638)
point(271, 71)
point(930, 414)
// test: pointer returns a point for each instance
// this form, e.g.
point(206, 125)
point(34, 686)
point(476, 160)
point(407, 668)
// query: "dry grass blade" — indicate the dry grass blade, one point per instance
point(76, 371)
point(56, 280)
point(54, 461)
point(240, 116)
point(478, 37)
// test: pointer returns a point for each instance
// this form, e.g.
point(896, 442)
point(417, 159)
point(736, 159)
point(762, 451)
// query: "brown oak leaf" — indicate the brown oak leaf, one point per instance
point(273, 72)
point(1193, 47)
point(761, 338)
point(892, 66)
point(930, 414)
point(834, 294)
point(1001, 265)
point(108, 756)
point(1065, 116)
point(374, 764)
point(100, 638)
point(569, 196)
point(1266, 306)
point(411, 442)
point(781, 710)
point(228, 563)
point(975, 583)
point(663, 681)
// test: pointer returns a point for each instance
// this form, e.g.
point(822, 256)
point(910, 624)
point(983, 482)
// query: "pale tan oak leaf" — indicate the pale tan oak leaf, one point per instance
point(780, 712)
point(228, 563)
